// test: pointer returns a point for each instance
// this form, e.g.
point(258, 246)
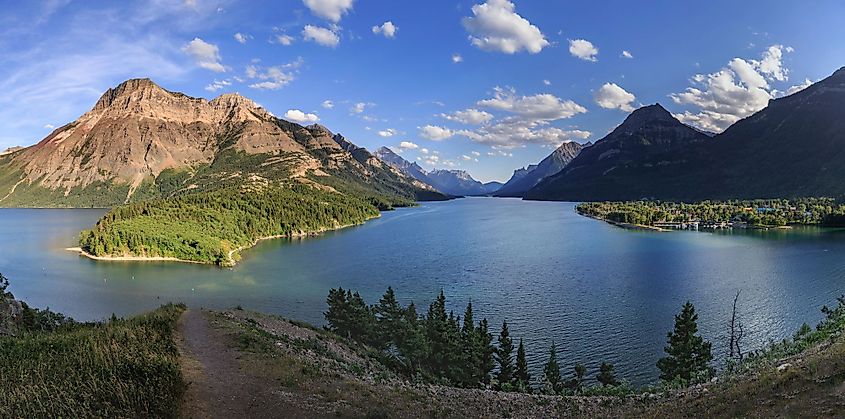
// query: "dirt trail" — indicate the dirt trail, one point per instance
point(217, 386)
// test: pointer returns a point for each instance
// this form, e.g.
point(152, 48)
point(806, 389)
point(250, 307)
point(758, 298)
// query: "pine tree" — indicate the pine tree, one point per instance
point(471, 350)
point(504, 356)
point(389, 317)
point(437, 335)
point(688, 354)
point(522, 377)
point(606, 375)
point(485, 343)
point(577, 381)
point(338, 316)
point(413, 346)
point(551, 372)
point(361, 318)
point(454, 352)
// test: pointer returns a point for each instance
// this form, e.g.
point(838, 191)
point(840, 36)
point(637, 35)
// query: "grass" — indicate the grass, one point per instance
point(122, 368)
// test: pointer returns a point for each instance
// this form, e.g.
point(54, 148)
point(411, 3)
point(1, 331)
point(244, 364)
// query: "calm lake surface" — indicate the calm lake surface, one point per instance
point(601, 292)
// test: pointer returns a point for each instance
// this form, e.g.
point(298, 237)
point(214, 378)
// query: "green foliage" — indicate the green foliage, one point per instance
point(209, 226)
point(504, 356)
point(551, 372)
point(762, 213)
point(123, 368)
point(522, 377)
point(606, 375)
point(688, 354)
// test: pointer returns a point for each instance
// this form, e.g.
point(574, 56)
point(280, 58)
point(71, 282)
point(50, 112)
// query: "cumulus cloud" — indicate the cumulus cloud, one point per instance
point(327, 104)
point(360, 107)
point(798, 87)
point(217, 85)
point(513, 133)
point(469, 116)
point(435, 133)
point(495, 26)
point(611, 96)
point(627, 54)
point(387, 133)
point(322, 36)
point(282, 39)
point(388, 29)
point(273, 78)
point(540, 107)
point(205, 55)
point(296, 115)
point(736, 91)
point(407, 145)
point(242, 38)
point(456, 58)
point(583, 49)
point(547, 82)
point(331, 10)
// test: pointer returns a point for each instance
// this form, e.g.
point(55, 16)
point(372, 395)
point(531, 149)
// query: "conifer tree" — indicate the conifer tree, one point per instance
point(389, 316)
point(413, 346)
point(522, 377)
point(485, 343)
point(338, 316)
point(688, 355)
point(578, 379)
point(471, 350)
point(361, 318)
point(454, 353)
point(606, 375)
point(504, 356)
point(551, 372)
point(437, 335)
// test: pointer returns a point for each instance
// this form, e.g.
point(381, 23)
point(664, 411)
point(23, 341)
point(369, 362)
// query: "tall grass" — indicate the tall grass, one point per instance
point(122, 368)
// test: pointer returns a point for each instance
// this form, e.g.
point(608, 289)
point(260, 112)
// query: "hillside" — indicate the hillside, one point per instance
point(526, 178)
point(140, 141)
point(792, 148)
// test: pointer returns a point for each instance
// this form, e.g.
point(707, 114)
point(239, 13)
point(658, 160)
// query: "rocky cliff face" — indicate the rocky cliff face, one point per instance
point(137, 131)
point(525, 179)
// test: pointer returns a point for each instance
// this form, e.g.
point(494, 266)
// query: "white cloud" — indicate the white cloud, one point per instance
point(273, 78)
point(469, 116)
point(217, 85)
point(583, 49)
point(466, 158)
point(407, 145)
point(206, 55)
point(320, 35)
point(360, 107)
point(476, 154)
point(435, 133)
point(327, 104)
point(512, 133)
point(329, 9)
point(242, 38)
point(547, 82)
point(495, 26)
point(49, 126)
point(627, 54)
point(388, 29)
point(611, 96)
point(540, 107)
point(456, 58)
point(387, 133)
point(798, 87)
point(296, 115)
point(283, 39)
point(736, 91)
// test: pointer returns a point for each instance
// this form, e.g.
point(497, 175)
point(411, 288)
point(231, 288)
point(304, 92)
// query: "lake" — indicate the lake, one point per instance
point(600, 292)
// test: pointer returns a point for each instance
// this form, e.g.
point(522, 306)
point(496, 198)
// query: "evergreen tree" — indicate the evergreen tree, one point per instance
point(361, 318)
point(413, 346)
point(338, 316)
point(523, 378)
point(578, 379)
point(606, 375)
point(487, 350)
point(551, 372)
point(389, 318)
point(437, 335)
point(504, 356)
point(454, 353)
point(471, 350)
point(688, 354)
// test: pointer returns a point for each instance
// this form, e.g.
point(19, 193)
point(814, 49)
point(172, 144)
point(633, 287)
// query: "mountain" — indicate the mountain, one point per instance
point(794, 147)
point(492, 187)
point(649, 141)
point(456, 182)
point(10, 150)
point(411, 169)
point(141, 141)
point(525, 179)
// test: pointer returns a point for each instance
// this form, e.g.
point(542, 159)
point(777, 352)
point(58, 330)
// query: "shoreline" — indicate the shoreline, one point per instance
point(626, 226)
point(231, 261)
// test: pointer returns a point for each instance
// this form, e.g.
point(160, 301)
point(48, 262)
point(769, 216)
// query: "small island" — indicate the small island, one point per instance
point(714, 215)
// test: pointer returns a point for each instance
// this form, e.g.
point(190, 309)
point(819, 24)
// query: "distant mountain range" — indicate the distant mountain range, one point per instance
point(526, 178)
point(792, 148)
point(141, 141)
point(452, 182)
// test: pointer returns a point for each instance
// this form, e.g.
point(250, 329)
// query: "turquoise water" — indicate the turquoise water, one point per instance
point(601, 292)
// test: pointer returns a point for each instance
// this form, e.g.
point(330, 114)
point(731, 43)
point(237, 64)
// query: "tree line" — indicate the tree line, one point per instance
point(440, 347)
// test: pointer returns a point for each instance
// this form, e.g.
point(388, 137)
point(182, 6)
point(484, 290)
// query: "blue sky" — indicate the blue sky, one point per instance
point(481, 86)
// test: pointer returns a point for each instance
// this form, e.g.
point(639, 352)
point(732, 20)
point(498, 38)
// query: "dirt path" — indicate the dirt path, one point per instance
point(217, 386)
